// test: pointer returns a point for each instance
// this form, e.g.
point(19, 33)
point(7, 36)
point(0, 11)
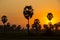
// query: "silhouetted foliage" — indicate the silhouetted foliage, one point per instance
point(36, 25)
point(50, 16)
point(13, 27)
point(56, 26)
point(18, 28)
point(28, 12)
point(8, 27)
point(46, 27)
point(51, 26)
point(4, 19)
point(8, 24)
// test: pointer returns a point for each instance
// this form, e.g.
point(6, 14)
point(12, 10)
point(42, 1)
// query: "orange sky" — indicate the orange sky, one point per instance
point(13, 9)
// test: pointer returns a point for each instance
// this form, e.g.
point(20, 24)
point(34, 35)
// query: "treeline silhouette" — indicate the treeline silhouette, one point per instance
point(36, 26)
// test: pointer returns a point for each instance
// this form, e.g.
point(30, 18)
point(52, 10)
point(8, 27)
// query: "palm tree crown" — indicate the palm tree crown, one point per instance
point(50, 16)
point(4, 19)
point(28, 12)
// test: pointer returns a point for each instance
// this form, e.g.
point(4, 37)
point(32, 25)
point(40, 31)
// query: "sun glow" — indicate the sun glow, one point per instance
point(53, 21)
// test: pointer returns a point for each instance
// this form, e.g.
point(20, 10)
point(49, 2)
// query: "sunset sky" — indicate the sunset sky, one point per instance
point(13, 9)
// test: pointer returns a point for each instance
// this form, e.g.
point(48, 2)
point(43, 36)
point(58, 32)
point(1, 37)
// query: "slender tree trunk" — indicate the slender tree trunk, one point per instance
point(4, 27)
point(28, 25)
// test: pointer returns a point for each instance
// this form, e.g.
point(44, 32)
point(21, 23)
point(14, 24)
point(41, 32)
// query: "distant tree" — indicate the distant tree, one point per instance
point(51, 26)
point(47, 30)
point(8, 24)
point(8, 27)
point(45, 27)
point(56, 26)
point(18, 28)
point(4, 20)
point(28, 12)
point(13, 28)
point(50, 16)
point(36, 25)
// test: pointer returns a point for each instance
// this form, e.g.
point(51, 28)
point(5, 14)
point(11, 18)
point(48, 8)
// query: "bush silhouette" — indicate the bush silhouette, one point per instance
point(36, 25)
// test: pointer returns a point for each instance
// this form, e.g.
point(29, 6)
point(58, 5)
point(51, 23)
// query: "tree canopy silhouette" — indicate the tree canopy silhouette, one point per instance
point(36, 25)
point(4, 19)
point(28, 12)
point(50, 16)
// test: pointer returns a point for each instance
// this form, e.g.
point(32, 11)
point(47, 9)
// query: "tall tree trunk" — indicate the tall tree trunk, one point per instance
point(4, 27)
point(28, 25)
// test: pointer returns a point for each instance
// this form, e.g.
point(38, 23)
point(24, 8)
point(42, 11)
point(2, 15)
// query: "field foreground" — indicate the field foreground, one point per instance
point(28, 36)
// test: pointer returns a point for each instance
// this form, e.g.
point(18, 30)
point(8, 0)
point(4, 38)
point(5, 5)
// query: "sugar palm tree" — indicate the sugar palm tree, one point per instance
point(28, 12)
point(4, 20)
point(50, 16)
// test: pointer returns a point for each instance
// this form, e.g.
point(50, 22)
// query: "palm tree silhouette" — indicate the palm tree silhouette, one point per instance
point(4, 20)
point(50, 16)
point(28, 12)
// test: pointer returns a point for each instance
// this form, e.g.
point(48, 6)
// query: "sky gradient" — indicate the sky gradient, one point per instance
point(13, 9)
